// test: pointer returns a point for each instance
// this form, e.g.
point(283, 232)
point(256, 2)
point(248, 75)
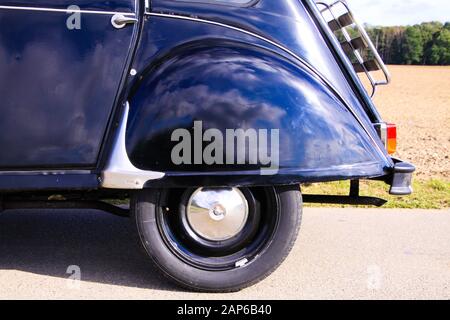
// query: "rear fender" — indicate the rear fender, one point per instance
point(229, 85)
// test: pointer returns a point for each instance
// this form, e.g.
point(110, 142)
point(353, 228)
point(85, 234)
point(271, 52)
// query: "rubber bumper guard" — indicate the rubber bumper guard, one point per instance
point(401, 183)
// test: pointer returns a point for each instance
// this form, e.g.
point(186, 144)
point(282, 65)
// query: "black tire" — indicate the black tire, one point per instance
point(275, 242)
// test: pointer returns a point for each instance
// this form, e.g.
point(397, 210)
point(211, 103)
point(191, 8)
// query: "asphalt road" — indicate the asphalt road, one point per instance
point(340, 254)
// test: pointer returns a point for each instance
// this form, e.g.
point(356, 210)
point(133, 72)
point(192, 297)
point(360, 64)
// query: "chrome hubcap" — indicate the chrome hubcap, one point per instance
point(217, 214)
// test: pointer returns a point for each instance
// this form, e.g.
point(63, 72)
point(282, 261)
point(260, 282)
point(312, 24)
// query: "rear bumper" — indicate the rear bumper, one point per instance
point(401, 178)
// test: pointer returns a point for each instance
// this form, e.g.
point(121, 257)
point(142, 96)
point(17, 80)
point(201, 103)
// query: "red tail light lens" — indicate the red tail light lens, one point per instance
point(391, 143)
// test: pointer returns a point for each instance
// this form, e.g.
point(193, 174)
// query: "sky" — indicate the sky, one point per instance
point(400, 12)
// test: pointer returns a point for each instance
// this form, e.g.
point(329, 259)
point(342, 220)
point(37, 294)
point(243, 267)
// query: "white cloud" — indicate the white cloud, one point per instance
point(400, 12)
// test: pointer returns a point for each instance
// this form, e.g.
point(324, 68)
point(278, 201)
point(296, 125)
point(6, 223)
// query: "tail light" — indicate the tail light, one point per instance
point(391, 143)
point(388, 134)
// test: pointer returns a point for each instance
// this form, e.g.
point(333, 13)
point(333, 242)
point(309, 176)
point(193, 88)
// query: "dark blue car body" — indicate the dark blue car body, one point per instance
point(230, 64)
point(101, 100)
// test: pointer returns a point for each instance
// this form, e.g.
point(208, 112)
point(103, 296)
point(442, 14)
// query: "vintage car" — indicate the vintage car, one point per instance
point(207, 114)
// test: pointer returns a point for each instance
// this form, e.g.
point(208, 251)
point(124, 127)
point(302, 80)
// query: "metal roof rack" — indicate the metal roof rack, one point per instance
point(359, 49)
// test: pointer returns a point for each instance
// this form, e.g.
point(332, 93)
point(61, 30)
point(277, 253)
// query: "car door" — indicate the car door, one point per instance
point(61, 65)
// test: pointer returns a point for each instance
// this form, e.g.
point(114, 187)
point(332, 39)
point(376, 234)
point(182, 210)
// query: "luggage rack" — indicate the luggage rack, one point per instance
point(359, 49)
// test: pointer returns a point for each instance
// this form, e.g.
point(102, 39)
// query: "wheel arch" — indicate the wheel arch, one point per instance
point(228, 84)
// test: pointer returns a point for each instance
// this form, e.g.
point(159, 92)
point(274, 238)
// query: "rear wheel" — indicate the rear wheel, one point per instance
point(217, 239)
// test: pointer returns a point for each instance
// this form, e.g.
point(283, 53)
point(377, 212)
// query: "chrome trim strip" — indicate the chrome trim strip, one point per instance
point(120, 173)
point(44, 172)
point(290, 52)
point(65, 10)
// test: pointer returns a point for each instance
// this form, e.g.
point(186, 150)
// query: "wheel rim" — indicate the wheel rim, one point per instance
point(204, 251)
point(217, 214)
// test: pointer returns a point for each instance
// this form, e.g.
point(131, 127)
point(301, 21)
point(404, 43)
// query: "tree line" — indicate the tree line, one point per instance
point(423, 44)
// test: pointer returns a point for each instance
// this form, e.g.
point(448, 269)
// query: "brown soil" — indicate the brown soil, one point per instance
point(418, 101)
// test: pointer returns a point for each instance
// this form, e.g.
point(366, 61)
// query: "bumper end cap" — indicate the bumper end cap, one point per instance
point(402, 179)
